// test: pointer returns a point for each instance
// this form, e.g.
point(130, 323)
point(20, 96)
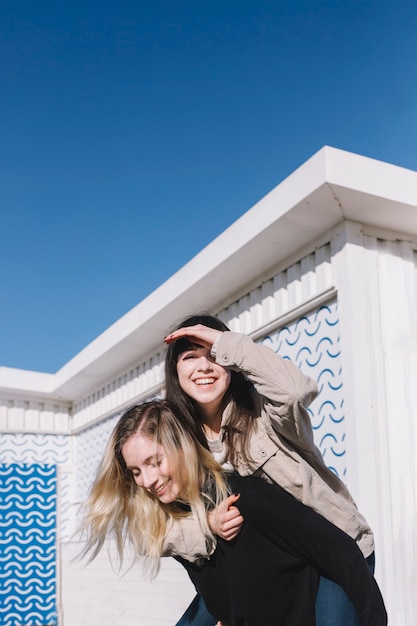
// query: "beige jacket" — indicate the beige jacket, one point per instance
point(282, 445)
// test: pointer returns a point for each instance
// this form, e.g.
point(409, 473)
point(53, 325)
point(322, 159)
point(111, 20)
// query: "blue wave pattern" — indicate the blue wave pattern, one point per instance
point(313, 343)
point(44, 449)
point(28, 545)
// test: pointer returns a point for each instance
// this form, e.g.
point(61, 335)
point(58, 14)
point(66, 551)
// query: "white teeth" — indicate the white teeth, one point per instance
point(204, 381)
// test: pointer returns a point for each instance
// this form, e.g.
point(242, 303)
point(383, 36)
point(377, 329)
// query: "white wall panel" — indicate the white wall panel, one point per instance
point(396, 389)
point(376, 279)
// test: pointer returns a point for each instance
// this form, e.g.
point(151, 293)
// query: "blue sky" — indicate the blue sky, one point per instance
point(132, 133)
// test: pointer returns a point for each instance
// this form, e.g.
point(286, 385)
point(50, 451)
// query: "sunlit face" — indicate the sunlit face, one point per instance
point(151, 468)
point(201, 378)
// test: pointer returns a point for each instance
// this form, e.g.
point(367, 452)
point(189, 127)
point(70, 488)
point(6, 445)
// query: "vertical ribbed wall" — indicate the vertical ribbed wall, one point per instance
point(394, 311)
point(282, 294)
point(376, 281)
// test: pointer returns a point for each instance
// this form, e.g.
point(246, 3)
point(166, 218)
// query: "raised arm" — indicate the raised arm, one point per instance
point(284, 390)
point(278, 379)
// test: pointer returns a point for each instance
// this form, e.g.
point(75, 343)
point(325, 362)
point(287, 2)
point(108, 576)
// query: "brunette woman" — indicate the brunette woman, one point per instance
point(249, 407)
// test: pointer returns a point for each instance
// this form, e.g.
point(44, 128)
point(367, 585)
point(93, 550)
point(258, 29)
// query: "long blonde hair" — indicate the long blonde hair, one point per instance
point(117, 508)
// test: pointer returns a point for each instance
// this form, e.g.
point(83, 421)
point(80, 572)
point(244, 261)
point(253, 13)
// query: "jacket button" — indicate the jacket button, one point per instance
point(225, 358)
point(262, 453)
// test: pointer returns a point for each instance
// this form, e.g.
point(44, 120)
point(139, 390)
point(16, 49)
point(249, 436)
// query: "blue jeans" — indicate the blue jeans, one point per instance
point(197, 615)
point(332, 604)
point(333, 607)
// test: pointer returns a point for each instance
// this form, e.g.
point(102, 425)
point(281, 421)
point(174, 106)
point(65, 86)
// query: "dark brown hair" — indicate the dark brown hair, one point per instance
point(241, 422)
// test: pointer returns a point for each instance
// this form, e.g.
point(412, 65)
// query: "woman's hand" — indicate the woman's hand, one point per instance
point(203, 335)
point(225, 520)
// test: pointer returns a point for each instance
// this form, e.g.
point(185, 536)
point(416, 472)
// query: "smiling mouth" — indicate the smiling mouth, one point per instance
point(158, 490)
point(205, 381)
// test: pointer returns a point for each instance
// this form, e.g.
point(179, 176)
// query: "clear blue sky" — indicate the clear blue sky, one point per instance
point(132, 133)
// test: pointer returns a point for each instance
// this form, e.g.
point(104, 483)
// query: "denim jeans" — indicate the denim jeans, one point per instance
point(197, 615)
point(333, 607)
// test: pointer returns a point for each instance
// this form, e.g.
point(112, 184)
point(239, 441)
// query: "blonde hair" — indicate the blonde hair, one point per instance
point(119, 509)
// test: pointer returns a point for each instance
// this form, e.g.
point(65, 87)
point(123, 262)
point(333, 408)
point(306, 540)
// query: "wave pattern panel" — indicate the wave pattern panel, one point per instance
point(28, 545)
point(313, 343)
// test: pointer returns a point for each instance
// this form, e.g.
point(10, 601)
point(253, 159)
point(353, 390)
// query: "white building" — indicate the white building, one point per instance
point(323, 269)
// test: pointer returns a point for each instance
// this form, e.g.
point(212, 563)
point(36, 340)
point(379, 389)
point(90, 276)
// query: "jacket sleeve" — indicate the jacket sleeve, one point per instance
point(285, 392)
point(297, 528)
point(186, 539)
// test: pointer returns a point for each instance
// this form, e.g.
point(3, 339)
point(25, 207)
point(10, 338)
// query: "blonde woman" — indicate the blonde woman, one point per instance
point(155, 474)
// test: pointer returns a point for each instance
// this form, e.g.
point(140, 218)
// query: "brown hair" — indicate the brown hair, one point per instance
point(241, 421)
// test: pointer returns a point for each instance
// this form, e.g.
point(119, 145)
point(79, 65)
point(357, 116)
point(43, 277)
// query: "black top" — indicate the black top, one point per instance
point(269, 574)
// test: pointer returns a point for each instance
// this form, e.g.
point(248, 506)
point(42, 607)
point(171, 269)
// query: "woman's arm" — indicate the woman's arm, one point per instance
point(283, 390)
point(185, 537)
point(275, 378)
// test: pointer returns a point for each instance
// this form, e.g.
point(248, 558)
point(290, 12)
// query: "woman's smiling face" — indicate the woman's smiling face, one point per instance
point(151, 468)
point(202, 379)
